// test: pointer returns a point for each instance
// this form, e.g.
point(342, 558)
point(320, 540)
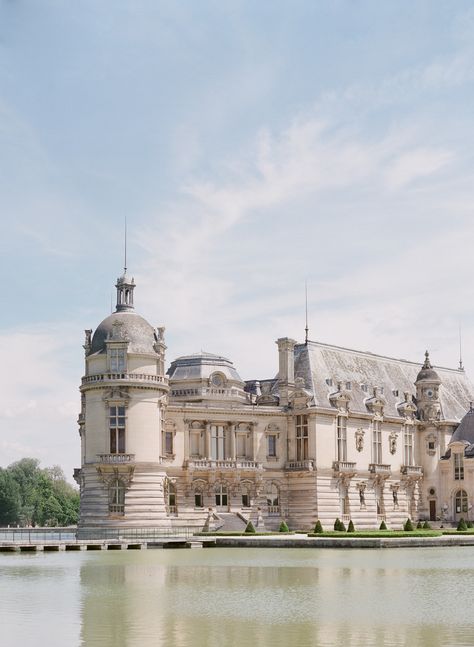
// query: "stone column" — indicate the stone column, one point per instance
point(231, 427)
point(186, 439)
point(253, 426)
point(208, 440)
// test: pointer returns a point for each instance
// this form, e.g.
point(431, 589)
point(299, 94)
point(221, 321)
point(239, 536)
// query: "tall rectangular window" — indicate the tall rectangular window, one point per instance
point(117, 359)
point(168, 442)
point(408, 435)
point(341, 438)
point(458, 467)
point(301, 438)
point(376, 442)
point(272, 446)
point(241, 442)
point(194, 438)
point(217, 442)
point(117, 429)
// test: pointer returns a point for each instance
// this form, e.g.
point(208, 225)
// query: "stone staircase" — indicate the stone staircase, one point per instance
point(230, 522)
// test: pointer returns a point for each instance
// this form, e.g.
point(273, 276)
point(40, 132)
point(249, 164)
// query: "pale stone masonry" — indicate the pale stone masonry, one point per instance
point(338, 433)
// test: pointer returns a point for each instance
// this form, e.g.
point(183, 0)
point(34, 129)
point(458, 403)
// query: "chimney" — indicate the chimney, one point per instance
point(286, 367)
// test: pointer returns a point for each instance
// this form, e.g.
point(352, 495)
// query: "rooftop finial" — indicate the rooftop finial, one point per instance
point(306, 312)
point(125, 248)
point(427, 363)
point(461, 367)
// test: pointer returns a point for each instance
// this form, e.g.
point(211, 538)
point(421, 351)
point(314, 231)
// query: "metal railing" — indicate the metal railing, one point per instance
point(72, 535)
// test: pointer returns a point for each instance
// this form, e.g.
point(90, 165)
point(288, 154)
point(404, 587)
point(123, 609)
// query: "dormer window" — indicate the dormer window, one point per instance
point(117, 360)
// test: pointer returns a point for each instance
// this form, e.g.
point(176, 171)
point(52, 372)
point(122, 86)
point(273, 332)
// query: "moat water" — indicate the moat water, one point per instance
point(221, 597)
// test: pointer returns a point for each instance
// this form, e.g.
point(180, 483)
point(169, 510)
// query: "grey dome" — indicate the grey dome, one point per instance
point(427, 372)
point(134, 329)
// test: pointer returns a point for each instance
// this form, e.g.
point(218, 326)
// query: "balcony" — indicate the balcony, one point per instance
point(412, 471)
point(378, 469)
point(116, 458)
point(300, 466)
point(344, 468)
point(226, 464)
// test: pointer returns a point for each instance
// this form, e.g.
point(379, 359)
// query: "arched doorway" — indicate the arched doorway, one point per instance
point(460, 505)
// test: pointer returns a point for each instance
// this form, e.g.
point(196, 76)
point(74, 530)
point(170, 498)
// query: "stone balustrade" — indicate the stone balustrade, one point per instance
point(130, 377)
point(344, 467)
point(209, 464)
point(306, 465)
point(380, 469)
point(116, 458)
point(412, 470)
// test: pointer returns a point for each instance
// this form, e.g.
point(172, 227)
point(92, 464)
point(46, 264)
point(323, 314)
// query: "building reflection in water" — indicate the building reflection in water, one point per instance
point(158, 598)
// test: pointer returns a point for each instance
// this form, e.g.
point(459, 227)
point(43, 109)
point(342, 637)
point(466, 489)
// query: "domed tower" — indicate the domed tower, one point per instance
point(123, 397)
point(427, 392)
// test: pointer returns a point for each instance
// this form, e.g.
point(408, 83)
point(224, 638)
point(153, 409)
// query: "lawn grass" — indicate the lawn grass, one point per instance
point(234, 533)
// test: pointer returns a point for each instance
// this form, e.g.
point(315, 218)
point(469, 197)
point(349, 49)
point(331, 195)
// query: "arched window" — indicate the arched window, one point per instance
point(461, 502)
point(199, 495)
point(273, 499)
point(246, 495)
point(117, 497)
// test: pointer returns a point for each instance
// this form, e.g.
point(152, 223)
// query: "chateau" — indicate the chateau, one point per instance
point(338, 433)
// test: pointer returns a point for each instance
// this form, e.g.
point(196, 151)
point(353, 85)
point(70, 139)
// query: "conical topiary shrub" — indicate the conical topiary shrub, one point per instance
point(383, 525)
point(426, 526)
point(350, 527)
point(408, 527)
point(419, 525)
point(318, 529)
point(337, 524)
point(462, 525)
point(469, 523)
point(249, 528)
point(283, 527)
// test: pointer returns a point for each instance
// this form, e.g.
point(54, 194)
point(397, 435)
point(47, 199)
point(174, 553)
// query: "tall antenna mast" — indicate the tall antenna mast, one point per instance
point(306, 312)
point(461, 367)
point(125, 248)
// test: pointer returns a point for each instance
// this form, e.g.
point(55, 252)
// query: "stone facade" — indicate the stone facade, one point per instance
point(338, 433)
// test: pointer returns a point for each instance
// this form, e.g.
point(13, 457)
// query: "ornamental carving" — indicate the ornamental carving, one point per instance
point(376, 403)
point(359, 439)
point(407, 409)
point(300, 398)
point(392, 442)
point(362, 487)
point(340, 398)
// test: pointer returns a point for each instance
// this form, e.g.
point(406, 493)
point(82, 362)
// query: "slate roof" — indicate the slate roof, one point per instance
point(322, 366)
point(201, 366)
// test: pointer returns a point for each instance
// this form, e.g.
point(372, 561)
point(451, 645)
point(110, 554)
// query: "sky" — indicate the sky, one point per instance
point(251, 146)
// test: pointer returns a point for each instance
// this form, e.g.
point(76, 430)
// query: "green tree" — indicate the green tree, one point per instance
point(10, 499)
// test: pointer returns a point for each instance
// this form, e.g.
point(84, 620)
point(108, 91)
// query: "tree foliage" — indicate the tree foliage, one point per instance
point(32, 496)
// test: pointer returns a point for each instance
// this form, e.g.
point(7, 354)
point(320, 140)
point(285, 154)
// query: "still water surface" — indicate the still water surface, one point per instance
point(221, 597)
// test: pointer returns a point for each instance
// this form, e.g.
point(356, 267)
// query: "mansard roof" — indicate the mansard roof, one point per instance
point(324, 367)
